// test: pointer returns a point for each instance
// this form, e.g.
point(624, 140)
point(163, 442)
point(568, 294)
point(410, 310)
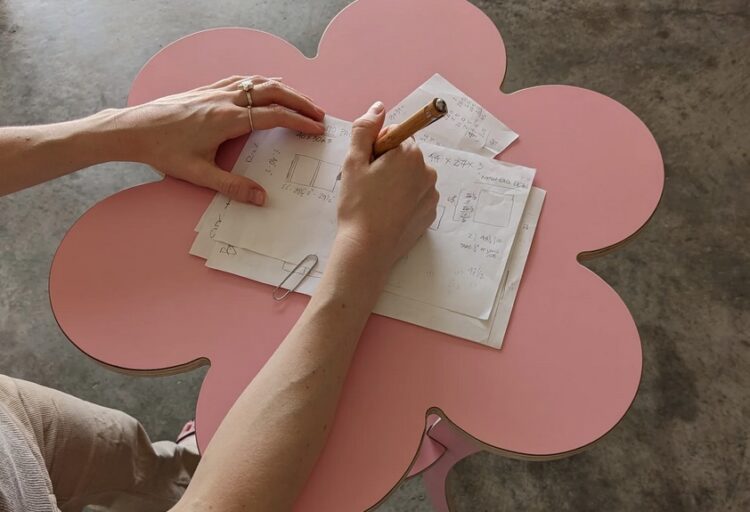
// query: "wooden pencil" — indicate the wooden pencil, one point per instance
point(425, 116)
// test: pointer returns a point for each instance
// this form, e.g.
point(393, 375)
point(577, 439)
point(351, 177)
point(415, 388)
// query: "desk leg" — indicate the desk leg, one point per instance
point(457, 446)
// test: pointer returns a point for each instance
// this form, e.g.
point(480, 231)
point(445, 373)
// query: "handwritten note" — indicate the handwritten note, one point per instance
point(211, 219)
point(301, 176)
point(272, 271)
point(458, 263)
point(489, 332)
point(461, 276)
point(467, 126)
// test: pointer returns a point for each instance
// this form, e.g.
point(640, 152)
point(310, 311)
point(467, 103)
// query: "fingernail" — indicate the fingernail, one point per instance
point(258, 197)
point(377, 107)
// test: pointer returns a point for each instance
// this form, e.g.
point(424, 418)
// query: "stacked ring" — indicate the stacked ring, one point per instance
point(247, 86)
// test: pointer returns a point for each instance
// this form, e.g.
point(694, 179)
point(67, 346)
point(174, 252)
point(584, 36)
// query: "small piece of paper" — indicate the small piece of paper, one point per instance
point(466, 126)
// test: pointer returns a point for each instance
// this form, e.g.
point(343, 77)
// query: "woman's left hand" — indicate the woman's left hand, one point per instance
point(179, 135)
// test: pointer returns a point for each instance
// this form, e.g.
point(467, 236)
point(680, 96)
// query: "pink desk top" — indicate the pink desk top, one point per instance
point(126, 292)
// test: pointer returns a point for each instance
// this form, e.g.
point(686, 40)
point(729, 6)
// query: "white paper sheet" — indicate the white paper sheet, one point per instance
point(487, 332)
point(467, 126)
point(211, 219)
point(491, 207)
point(490, 332)
point(300, 175)
point(458, 263)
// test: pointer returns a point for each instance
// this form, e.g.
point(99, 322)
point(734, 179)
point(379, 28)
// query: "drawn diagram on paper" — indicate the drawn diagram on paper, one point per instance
point(228, 249)
point(313, 172)
point(494, 207)
point(459, 278)
point(491, 205)
point(456, 266)
point(467, 126)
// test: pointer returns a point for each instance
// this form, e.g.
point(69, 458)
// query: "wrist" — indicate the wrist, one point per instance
point(367, 246)
point(354, 274)
point(371, 259)
point(108, 136)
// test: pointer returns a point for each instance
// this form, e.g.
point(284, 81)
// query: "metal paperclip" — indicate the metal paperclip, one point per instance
point(287, 291)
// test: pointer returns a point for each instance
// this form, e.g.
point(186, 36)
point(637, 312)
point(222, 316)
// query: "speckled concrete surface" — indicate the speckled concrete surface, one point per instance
point(681, 66)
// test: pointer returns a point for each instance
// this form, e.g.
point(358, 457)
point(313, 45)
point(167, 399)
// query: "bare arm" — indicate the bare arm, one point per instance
point(264, 450)
point(178, 135)
point(33, 154)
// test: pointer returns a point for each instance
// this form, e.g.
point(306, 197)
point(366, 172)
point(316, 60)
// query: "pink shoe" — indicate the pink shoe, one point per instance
point(187, 431)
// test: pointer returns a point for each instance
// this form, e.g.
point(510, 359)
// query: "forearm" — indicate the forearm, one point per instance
point(30, 155)
point(274, 433)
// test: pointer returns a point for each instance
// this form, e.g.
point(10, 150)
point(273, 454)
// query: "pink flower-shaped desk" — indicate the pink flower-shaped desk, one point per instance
point(126, 292)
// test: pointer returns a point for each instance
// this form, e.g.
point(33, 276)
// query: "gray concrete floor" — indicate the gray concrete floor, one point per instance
point(681, 66)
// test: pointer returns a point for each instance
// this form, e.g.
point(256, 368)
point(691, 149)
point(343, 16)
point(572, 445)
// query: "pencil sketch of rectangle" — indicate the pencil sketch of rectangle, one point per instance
point(326, 177)
point(494, 207)
point(438, 218)
point(312, 172)
point(302, 170)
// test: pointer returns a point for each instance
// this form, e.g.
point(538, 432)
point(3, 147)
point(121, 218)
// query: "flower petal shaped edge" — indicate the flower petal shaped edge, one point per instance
point(125, 291)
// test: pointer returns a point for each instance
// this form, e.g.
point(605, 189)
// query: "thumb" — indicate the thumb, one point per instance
point(234, 186)
point(365, 131)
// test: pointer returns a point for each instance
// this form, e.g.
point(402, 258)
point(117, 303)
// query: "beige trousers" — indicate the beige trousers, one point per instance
point(96, 458)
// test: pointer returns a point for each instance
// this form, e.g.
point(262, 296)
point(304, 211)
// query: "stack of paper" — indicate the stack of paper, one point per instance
point(460, 278)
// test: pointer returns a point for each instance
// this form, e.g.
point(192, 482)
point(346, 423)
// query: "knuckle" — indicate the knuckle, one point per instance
point(218, 112)
point(364, 122)
point(229, 187)
point(270, 87)
point(222, 110)
point(234, 188)
point(231, 111)
point(224, 98)
point(277, 109)
point(415, 152)
point(219, 96)
point(275, 85)
point(356, 159)
point(399, 150)
point(435, 196)
point(432, 175)
point(387, 129)
point(350, 162)
point(396, 154)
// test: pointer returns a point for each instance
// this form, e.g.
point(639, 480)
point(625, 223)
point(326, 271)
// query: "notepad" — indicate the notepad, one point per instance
point(460, 277)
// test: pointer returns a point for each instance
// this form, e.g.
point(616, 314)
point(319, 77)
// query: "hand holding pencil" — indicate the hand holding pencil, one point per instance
point(424, 117)
point(386, 203)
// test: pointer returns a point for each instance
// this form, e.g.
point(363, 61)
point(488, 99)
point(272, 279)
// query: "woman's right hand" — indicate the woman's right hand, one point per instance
point(385, 205)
